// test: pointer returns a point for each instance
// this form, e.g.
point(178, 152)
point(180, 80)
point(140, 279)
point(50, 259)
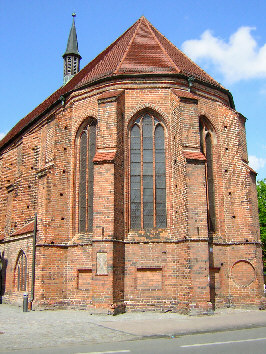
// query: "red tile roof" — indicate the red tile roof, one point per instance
point(194, 155)
point(26, 229)
point(185, 65)
point(141, 49)
point(104, 157)
point(145, 53)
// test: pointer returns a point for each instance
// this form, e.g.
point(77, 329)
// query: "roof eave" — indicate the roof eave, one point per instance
point(71, 53)
point(145, 75)
point(111, 77)
point(32, 122)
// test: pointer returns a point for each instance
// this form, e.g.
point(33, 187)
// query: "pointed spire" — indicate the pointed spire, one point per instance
point(72, 43)
point(71, 55)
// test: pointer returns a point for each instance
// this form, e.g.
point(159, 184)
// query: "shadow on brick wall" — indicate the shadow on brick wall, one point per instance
point(3, 266)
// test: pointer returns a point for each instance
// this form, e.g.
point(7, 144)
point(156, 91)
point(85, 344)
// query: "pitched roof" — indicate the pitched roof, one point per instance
point(141, 49)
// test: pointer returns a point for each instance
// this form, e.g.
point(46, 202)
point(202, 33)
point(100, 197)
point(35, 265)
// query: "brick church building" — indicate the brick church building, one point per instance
point(129, 188)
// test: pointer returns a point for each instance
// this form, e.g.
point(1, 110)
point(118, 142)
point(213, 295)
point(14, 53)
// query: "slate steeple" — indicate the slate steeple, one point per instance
point(71, 55)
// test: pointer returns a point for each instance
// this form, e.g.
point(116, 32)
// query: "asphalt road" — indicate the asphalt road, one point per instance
point(245, 341)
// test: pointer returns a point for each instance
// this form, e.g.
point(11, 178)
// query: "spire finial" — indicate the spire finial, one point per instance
point(73, 15)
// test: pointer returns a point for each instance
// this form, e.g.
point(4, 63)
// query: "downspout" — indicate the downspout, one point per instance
point(33, 261)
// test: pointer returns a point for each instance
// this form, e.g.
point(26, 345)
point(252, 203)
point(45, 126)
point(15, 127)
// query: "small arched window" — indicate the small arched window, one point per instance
point(206, 146)
point(21, 272)
point(87, 146)
point(147, 174)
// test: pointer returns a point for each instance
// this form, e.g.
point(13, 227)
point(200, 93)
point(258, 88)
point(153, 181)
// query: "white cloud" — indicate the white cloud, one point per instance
point(256, 162)
point(2, 135)
point(239, 58)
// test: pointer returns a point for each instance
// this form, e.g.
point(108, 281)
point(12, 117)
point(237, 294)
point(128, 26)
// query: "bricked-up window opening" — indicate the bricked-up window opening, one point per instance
point(84, 279)
point(87, 148)
point(149, 278)
point(147, 174)
point(21, 272)
point(49, 145)
point(207, 148)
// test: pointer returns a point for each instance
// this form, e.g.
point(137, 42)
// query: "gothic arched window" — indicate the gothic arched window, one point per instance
point(87, 146)
point(147, 174)
point(21, 272)
point(206, 146)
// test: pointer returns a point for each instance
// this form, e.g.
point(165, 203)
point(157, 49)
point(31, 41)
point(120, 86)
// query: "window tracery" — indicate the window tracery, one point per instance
point(86, 152)
point(147, 174)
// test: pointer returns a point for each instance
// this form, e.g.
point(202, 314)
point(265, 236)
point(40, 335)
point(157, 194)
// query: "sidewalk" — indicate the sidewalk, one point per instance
point(42, 329)
point(151, 324)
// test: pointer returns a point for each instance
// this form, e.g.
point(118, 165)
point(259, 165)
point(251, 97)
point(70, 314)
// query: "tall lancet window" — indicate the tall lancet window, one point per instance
point(21, 272)
point(206, 145)
point(87, 146)
point(147, 174)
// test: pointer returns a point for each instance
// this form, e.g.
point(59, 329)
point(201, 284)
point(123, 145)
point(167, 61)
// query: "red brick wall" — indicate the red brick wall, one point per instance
point(146, 269)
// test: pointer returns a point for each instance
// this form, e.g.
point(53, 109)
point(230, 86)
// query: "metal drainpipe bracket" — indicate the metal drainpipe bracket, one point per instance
point(62, 99)
point(190, 80)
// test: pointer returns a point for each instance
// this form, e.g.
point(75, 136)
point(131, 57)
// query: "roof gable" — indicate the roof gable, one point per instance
point(145, 53)
point(141, 49)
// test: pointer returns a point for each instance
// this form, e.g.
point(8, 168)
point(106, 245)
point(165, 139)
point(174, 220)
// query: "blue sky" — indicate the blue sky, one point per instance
point(226, 38)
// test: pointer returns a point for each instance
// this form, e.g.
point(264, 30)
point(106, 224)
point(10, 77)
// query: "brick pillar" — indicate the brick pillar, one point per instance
point(198, 235)
point(107, 279)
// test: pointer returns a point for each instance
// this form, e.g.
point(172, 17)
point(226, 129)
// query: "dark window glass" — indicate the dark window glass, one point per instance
point(160, 177)
point(83, 181)
point(92, 149)
point(211, 199)
point(147, 174)
point(147, 136)
point(87, 148)
point(135, 167)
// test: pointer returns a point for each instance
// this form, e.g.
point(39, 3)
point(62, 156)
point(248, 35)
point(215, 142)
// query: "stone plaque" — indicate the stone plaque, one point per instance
point(101, 263)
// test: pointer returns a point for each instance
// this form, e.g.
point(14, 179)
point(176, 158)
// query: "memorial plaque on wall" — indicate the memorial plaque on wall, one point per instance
point(101, 263)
